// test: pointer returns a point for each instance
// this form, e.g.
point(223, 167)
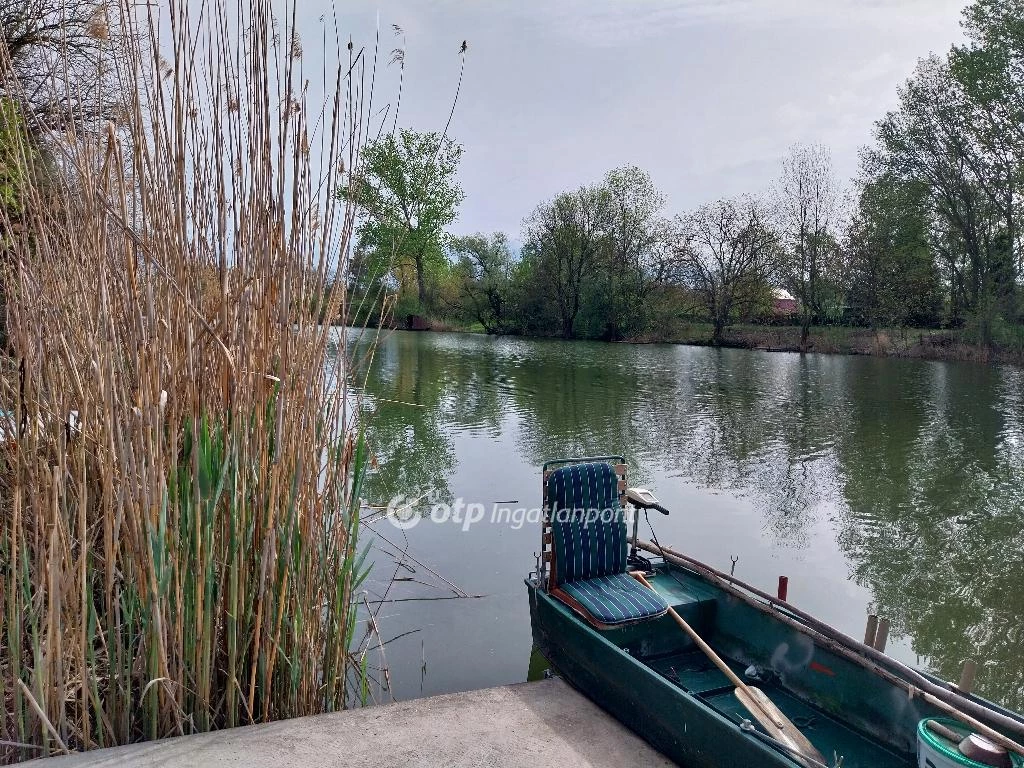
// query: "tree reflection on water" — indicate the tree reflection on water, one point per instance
point(923, 462)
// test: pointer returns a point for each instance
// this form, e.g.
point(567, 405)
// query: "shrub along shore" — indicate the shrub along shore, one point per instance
point(922, 343)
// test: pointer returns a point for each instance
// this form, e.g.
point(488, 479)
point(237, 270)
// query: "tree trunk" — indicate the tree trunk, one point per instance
point(421, 283)
point(716, 336)
point(568, 331)
point(805, 332)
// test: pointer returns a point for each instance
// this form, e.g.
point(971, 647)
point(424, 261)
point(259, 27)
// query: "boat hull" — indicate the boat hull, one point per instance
point(674, 722)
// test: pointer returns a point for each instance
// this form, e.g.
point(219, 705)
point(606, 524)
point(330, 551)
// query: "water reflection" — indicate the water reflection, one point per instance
point(914, 469)
point(935, 517)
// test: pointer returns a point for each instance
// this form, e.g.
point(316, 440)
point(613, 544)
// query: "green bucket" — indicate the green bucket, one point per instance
point(935, 752)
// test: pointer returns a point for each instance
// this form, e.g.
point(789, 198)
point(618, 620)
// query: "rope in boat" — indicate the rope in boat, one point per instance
point(668, 565)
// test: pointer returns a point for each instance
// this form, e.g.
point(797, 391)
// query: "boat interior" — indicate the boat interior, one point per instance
point(853, 716)
point(671, 654)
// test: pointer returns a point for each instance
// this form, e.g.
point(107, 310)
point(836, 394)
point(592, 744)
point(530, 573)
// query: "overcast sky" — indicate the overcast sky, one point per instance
point(704, 94)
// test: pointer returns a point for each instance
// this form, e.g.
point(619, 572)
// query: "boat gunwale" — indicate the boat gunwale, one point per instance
point(702, 699)
point(695, 700)
point(842, 644)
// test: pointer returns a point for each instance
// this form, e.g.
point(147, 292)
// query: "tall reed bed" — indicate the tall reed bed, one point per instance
point(179, 469)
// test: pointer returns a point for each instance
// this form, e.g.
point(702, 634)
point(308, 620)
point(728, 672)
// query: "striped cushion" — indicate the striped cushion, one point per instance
point(616, 598)
point(588, 531)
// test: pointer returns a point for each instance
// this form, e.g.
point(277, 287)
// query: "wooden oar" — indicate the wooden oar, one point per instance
point(965, 709)
point(989, 733)
point(763, 709)
point(952, 702)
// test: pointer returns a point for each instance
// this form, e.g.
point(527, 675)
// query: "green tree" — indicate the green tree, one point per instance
point(408, 195)
point(16, 153)
point(990, 70)
point(535, 310)
point(893, 277)
point(25, 169)
point(594, 259)
point(938, 136)
point(637, 238)
point(565, 239)
point(487, 287)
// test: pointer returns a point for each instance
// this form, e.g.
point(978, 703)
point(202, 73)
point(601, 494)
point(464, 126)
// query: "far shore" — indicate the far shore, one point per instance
point(924, 344)
point(911, 343)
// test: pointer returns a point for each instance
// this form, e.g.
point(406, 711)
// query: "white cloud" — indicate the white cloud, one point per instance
point(614, 22)
point(705, 94)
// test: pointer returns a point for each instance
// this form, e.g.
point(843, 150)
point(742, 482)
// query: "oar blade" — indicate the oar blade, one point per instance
point(760, 706)
point(777, 725)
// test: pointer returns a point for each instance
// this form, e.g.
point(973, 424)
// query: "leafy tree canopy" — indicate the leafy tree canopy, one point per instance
point(408, 194)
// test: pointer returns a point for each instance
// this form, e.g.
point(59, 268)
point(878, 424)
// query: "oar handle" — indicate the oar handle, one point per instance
point(708, 651)
point(946, 733)
point(762, 708)
point(989, 733)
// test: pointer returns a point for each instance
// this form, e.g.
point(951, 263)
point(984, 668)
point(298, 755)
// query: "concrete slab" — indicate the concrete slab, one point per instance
point(530, 725)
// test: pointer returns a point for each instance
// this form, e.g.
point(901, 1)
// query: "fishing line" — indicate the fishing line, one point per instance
point(664, 559)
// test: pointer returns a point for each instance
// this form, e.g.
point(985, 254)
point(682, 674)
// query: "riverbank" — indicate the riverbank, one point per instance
point(949, 345)
point(541, 724)
point(920, 343)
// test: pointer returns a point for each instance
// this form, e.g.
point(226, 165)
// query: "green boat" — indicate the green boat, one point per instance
point(715, 673)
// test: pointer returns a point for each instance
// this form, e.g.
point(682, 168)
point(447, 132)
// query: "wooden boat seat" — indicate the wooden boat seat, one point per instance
point(588, 548)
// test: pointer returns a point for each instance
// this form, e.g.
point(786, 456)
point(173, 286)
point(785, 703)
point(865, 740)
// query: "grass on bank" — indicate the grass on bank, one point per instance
point(927, 343)
point(179, 467)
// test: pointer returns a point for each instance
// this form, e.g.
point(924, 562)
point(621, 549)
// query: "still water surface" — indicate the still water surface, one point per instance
point(876, 485)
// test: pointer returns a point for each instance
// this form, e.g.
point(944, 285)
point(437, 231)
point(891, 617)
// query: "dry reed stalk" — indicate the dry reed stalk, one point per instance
point(180, 479)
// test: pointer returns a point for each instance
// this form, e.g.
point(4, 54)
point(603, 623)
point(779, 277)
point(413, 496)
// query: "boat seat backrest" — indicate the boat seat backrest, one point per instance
point(587, 525)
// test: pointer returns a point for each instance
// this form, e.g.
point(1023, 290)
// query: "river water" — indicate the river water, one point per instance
point(876, 485)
